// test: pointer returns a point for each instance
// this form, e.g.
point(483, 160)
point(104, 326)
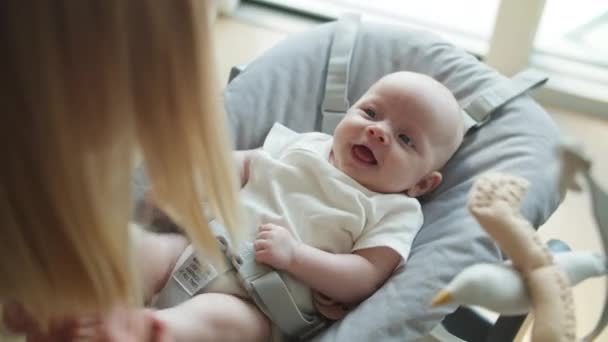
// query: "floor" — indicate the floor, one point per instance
point(238, 42)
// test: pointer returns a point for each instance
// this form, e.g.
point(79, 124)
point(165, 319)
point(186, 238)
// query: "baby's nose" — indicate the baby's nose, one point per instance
point(377, 133)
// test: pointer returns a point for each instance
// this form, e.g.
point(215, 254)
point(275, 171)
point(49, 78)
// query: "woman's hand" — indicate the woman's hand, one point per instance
point(20, 322)
point(129, 325)
point(15, 318)
point(121, 324)
point(275, 246)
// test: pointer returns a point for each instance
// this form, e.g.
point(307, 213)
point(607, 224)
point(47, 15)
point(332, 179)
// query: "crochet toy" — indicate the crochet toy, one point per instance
point(534, 279)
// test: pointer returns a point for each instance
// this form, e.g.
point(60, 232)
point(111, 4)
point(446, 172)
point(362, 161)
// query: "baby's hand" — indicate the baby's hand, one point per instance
point(274, 246)
point(120, 325)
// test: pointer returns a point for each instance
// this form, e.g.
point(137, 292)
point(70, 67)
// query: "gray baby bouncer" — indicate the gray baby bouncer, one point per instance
point(308, 81)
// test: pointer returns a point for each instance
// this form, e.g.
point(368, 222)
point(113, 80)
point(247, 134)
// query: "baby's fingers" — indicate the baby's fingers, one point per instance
point(263, 256)
point(259, 245)
point(265, 227)
point(263, 235)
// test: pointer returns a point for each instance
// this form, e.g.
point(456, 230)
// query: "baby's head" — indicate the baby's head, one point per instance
point(398, 136)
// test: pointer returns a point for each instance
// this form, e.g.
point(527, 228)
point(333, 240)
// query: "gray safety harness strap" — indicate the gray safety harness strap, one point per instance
point(263, 284)
point(478, 110)
point(269, 291)
point(282, 309)
point(335, 102)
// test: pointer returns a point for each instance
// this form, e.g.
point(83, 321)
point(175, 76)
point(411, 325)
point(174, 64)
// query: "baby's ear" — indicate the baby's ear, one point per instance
point(427, 184)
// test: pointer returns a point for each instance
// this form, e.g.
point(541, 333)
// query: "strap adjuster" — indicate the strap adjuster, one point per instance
point(479, 109)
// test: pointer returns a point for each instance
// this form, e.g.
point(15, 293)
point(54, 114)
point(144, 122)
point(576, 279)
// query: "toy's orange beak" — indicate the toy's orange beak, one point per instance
point(443, 297)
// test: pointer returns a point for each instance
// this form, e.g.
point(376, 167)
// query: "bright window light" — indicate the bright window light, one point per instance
point(468, 23)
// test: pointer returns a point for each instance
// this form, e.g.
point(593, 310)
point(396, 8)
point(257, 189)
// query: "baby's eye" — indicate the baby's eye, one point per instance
point(370, 112)
point(406, 140)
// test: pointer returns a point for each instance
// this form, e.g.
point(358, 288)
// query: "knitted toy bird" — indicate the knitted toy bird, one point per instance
point(534, 279)
point(500, 288)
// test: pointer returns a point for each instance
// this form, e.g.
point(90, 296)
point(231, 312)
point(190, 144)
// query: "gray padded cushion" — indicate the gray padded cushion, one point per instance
point(287, 84)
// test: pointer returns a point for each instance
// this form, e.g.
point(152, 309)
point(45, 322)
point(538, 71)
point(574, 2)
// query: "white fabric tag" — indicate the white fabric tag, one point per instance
point(193, 276)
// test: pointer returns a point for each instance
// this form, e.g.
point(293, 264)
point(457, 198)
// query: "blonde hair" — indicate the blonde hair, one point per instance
point(85, 84)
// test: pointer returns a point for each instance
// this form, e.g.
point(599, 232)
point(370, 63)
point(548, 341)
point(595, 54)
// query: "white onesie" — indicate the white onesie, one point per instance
point(293, 184)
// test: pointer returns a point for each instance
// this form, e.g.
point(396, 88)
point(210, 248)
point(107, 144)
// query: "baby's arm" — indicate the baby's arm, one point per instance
point(346, 278)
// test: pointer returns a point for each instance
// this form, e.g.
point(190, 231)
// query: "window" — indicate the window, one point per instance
point(451, 19)
point(572, 39)
point(575, 30)
point(565, 39)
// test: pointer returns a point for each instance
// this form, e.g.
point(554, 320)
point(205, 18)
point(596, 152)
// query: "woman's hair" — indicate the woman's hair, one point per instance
point(85, 86)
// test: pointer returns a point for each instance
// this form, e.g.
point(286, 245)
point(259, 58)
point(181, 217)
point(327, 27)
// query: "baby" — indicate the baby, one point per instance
point(337, 215)
point(334, 215)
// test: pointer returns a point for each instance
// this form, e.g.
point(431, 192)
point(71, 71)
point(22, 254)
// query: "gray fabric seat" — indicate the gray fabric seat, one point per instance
point(287, 85)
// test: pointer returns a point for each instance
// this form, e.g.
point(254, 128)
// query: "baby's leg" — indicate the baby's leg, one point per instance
point(157, 255)
point(216, 317)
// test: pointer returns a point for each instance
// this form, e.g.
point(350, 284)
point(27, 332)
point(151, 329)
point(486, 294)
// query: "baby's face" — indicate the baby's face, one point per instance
point(402, 129)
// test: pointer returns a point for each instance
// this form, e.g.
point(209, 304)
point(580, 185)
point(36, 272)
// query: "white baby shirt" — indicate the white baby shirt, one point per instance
point(293, 184)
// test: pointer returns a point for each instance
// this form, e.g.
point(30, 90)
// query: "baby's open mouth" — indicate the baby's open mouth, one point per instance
point(364, 154)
